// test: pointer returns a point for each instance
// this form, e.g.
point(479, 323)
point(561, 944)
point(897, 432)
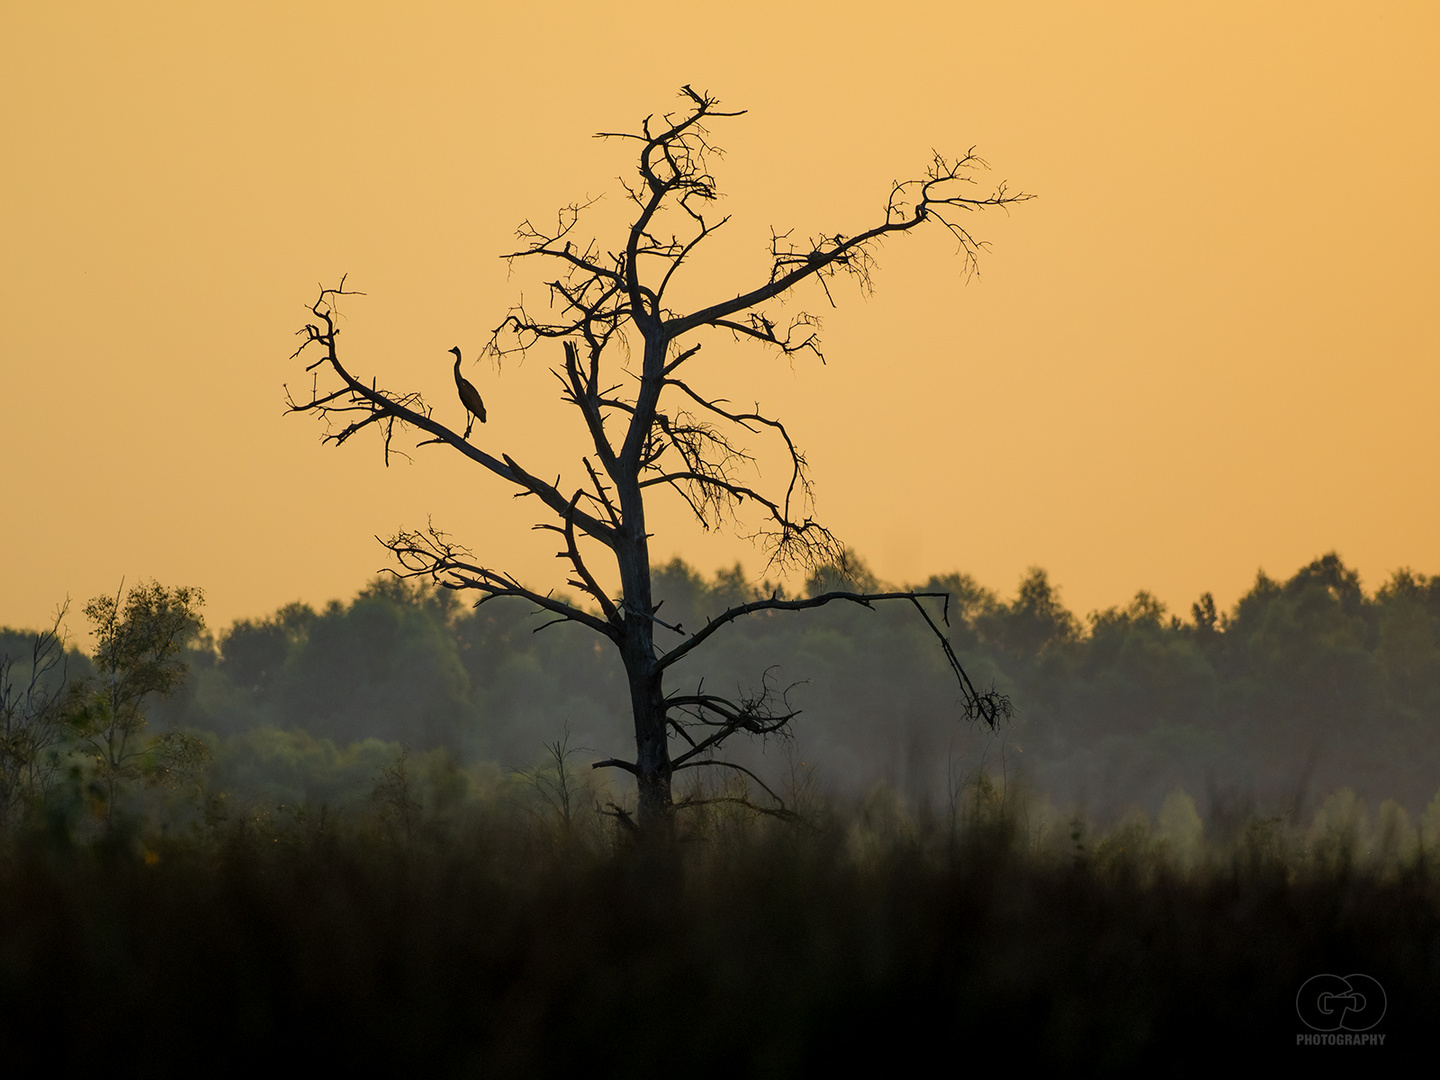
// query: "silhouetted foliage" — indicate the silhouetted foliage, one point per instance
point(139, 642)
point(35, 702)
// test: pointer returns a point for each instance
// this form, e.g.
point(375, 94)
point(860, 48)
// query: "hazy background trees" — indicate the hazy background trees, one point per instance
point(1306, 686)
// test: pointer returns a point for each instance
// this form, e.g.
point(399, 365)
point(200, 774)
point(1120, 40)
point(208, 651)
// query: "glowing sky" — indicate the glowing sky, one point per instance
point(1211, 344)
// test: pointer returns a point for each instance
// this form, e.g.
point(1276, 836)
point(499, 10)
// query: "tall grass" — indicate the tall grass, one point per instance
point(500, 940)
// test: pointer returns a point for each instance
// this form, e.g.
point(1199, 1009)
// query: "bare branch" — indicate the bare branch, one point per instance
point(615, 763)
point(936, 196)
point(379, 406)
point(430, 554)
point(740, 769)
point(587, 580)
point(989, 706)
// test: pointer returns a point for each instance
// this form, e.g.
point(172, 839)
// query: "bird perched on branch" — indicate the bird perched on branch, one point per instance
point(469, 396)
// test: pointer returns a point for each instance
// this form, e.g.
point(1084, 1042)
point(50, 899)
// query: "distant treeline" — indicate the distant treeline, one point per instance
point(1304, 687)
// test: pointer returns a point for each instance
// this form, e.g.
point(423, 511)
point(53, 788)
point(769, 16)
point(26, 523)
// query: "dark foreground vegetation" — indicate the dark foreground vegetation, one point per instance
point(368, 838)
point(497, 943)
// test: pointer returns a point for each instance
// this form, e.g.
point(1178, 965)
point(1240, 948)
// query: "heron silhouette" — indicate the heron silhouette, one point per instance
point(469, 396)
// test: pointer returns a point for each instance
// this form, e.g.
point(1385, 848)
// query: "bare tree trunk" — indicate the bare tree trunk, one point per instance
point(637, 647)
point(647, 701)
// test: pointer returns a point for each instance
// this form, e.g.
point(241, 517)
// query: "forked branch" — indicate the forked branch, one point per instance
point(431, 554)
point(989, 706)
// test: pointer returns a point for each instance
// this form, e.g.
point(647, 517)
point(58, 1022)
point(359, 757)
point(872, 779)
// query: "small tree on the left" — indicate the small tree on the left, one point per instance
point(33, 701)
point(137, 655)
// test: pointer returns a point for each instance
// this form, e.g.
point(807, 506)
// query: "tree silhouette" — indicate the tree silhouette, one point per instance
point(139, 646)
point(658, 430)
point(33, 702)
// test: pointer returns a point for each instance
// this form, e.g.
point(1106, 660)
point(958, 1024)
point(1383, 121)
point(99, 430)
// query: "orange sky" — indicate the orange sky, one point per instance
point(1211, 344)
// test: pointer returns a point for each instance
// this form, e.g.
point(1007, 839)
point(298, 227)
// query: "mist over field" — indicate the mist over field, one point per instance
point(1312, 688)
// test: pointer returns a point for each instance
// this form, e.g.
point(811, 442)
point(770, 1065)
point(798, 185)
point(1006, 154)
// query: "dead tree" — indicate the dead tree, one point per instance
point(658, 427)
point(34, 699)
